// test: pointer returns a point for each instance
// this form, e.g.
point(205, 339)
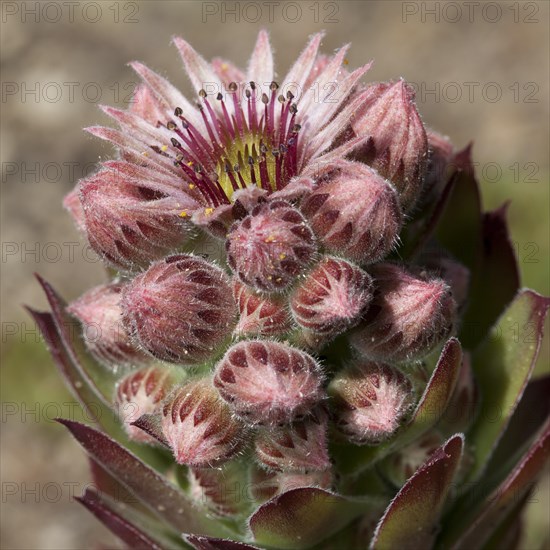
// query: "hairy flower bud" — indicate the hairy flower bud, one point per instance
point(199, 426)
point(356, 213)
point(181, 309)
point(300, 446)
point(99, 310)
point(407, 318)
point(132, 216)
point(73, 205)
point(220, 489)
point(270, 246)
point(260, 315)
point(332, 297)
point(438, 169)
point(398, 147)
point(401, 465)
point(456, 275)
point(266, 485)
point(141, 392)
point(268, 382)
point(370, 400)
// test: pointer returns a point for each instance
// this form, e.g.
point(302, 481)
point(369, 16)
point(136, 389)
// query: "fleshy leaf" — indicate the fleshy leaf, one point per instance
point(303, 517)
point(459, 229)
point(432, 405)
point(96, 376)
point(487, 298)
point(209, 543)
point(475, 524)
point(528, 418)
point(503, 365)
point(411, 520)
point(74, 379)
point(124, 523)
point(161, 497)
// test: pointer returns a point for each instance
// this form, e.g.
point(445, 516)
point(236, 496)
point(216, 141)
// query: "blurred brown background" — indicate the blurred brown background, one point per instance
point(481, 70)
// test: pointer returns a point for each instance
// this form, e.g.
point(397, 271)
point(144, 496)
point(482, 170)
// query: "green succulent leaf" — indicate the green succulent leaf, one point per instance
point(101, 380)
point(528, 418)
point(128, 525)
point(303, 517)
point(472, 523)
point(210, 543)
point(76, 382)
point(411, 520)
point(503, 365)
point(496, 282)
point(460, 227)
point(153, 490)
point(430, 408)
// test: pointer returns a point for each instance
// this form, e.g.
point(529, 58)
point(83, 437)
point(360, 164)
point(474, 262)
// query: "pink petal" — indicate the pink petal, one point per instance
point(298, 75)
point(260, 66)
point(200, 72)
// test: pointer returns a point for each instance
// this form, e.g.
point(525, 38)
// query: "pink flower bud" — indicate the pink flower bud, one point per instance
point(300, 446)
point(268, 382)
point(456, 275)
point(398, 147)
point(99, 310)
point(438, 169)
point(370, 400)
point(260, 315)
point(73, 205)
point(141, 392)
point(131, 220)
point(266, 485)
point(400, 466)
point(199, 427)
point(332, 297)
point(407, 318)
point(181, 309)
point(355, 214)
point(271, 246)
point(220, 490)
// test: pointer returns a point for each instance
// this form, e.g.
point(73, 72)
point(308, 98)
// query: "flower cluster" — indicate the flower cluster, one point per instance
point(305, 199)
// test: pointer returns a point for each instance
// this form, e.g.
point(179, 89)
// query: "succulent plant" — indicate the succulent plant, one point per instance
point(312, 336)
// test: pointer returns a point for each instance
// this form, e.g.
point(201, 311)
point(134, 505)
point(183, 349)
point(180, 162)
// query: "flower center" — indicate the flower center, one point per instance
point(247, 144)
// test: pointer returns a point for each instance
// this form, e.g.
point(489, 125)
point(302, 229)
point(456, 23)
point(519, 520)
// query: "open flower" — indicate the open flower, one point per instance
point(209, 162)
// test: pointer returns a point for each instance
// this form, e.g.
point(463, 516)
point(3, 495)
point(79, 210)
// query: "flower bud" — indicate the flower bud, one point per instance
point(270, 246)
point(266, 485)
point(398, 147)
point(332, 297)
point(199, 427)
point(131, 220)
point(438, 169)
point(99, 310)
point(456, 275)
point(181, 309)
point(260, 315)
point(268, 382)
point(300, 446)
point(370, 400)
point(355, 214)
point(400, 466)
point(141, 392)
point(73, 205)
point(220, 490)
point(407, 318)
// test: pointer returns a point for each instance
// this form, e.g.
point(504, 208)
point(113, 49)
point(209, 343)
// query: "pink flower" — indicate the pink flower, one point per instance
point(182, 161)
